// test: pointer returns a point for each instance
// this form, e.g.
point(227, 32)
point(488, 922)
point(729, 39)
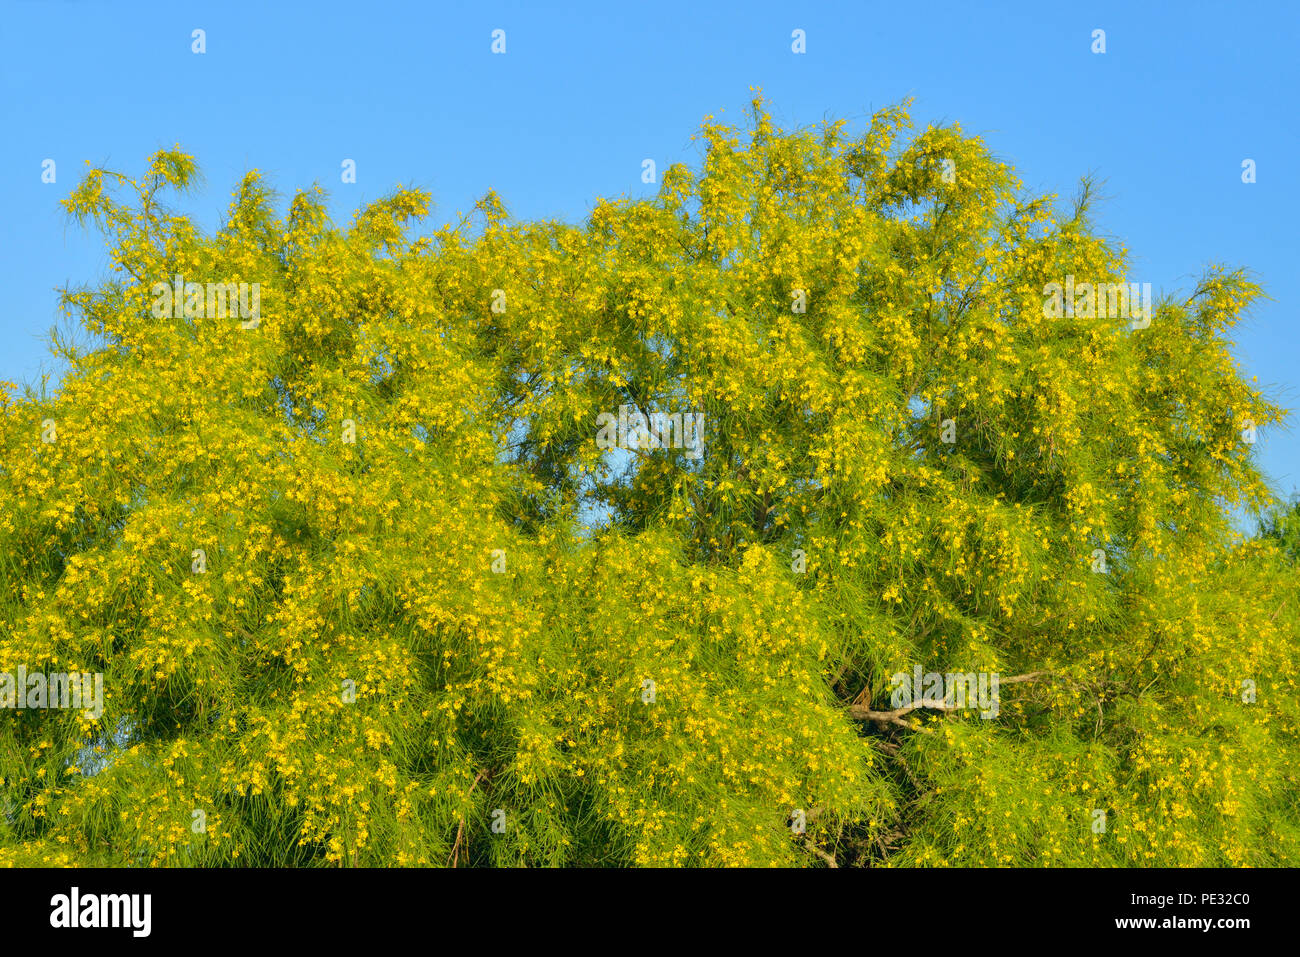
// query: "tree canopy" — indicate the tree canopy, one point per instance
point(366, 587)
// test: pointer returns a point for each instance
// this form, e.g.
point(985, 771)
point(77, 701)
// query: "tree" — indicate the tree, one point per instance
point(624, 543)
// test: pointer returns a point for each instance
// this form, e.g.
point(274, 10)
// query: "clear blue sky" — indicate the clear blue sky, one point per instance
point(412, 92)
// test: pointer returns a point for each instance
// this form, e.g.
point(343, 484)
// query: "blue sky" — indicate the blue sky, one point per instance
point(585, 91)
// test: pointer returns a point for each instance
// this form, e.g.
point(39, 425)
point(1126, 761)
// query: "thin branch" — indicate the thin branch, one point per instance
point(460, 828)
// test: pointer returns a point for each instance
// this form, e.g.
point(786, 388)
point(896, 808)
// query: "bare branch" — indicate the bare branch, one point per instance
point(863, 712)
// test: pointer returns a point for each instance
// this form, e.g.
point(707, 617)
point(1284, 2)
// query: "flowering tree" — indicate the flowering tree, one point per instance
point(843, 504)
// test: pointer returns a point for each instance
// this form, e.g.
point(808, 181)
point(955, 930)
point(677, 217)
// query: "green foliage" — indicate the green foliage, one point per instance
point(1281, 525)
point(384, 474)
